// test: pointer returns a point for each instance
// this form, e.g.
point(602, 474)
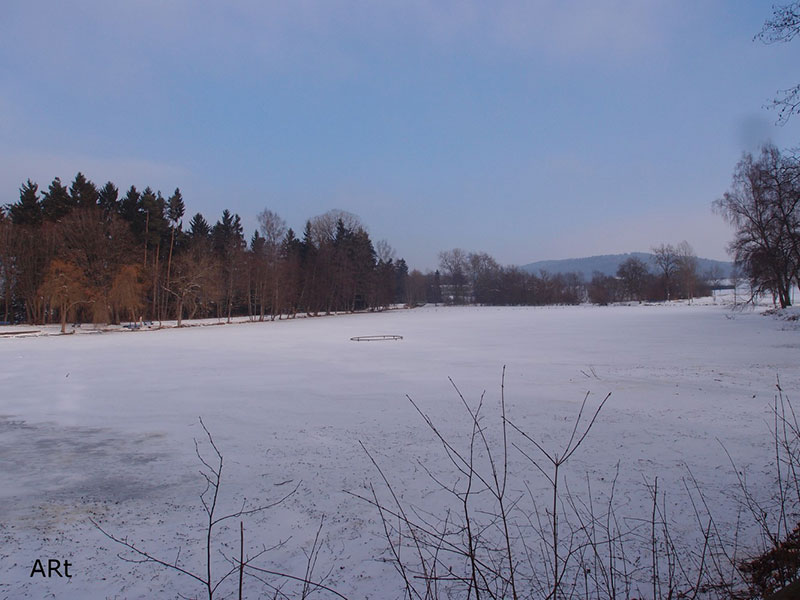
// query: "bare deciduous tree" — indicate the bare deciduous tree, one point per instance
point(323, 227)
point(453, 264)
point(125, 296)
point(763, 204)
point(633, 274)
point(384, 251)
point(783, 26)
point(195, 273)
point(666, 258)
point(207, 576)
point(687, 269)
point(273, 228)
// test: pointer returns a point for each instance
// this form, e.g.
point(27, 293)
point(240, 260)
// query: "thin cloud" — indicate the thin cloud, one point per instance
point(135, 38)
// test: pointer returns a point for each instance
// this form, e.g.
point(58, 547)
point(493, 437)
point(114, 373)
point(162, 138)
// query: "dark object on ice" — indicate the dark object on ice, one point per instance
point(375, 338)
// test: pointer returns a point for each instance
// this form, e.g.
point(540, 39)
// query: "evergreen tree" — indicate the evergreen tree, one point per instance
point(309, 257)
point(436, 292)
point(128, 208)
point(257, 243)
point(83, 192)
point(153, 207)
point(108, 199)
point(228, 234)
point(56, 201)
point(361, 255)
point(28, 211)
point(229, 243)
point(199, 229)
point(289, 244)
point(308, 246)
point(291, 251)
point(401, 279)
point(238, 232)
point(175, 208)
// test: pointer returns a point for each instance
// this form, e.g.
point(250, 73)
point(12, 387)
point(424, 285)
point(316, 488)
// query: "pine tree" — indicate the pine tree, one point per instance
point(228, 242)
point(175, 210)
point(108, 199)
point(401, 280)
point(199, 229)
point(291, 251)
point(28, 211)
point(228, 234)
point(154, 207)
point(436, 293)
point(83, 192)
point(152, 216)
point(56, 201)
point(175, 207)
point(257, 275)
point(128, 209)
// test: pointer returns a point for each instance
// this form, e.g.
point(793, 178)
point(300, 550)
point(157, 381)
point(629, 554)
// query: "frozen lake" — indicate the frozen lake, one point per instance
point(103, 426)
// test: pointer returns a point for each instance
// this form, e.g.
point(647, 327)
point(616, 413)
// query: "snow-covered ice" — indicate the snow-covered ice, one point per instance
point(103, 426)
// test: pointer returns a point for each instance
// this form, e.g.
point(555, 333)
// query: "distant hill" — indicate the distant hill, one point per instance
point(609, 263)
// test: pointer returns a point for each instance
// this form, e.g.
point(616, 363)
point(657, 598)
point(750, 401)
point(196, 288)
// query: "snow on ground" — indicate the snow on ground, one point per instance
point(102, 426)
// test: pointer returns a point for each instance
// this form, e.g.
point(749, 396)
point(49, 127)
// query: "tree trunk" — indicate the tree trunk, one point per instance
point(7, 296)
point(64, 318)
point(156, 311)
point(146, 233)
point(230, 293)
point(169, 268)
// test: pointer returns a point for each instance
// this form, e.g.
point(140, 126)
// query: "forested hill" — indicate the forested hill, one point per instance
point(607, 264)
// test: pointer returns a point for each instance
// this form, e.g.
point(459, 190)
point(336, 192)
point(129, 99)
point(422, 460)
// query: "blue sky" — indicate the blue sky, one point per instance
point(529, 130)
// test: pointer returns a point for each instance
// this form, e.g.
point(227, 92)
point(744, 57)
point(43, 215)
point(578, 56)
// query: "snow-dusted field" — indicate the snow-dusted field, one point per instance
point(103, 426)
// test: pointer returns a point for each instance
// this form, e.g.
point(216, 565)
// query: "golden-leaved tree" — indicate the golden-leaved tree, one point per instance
point(65, 287)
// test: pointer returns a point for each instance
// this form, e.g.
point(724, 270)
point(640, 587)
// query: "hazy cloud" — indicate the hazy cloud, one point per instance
point(129, 39)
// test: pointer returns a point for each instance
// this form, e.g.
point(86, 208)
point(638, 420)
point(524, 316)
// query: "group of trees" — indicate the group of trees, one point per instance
point(676, 276)
point(476, 278)
point(763, 204)
point(88, 254)
point(83, 252)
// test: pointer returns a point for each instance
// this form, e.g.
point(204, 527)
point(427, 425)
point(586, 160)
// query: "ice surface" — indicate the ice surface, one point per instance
point(103, 426)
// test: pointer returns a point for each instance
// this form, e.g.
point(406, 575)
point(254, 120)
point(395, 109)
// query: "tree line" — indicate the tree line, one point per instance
point(88, 253)
point(477, 278)
point(675, 276)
